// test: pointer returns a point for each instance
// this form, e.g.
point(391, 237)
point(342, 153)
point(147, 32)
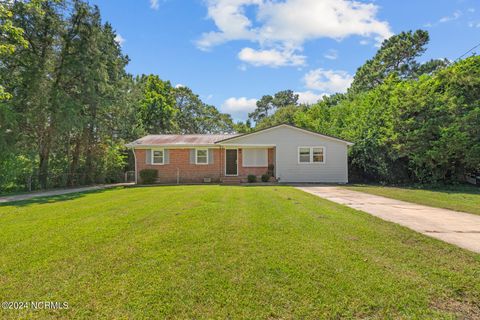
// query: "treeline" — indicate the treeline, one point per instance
point(67, 105)
point(411, 122)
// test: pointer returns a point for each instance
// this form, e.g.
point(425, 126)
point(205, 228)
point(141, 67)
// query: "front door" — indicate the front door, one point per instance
point(231, 168)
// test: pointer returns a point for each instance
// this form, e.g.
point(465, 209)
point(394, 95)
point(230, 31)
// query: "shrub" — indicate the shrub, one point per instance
point(265, 177)
point(251, 178)
point(148, 176)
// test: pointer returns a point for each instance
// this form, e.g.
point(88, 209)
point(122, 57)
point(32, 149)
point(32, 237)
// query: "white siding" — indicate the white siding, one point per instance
point(287, 140)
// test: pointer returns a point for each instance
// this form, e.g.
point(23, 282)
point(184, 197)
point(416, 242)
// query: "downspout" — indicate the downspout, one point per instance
point(135, 159)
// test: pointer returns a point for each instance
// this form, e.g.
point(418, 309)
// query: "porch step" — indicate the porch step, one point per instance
point(231, 180)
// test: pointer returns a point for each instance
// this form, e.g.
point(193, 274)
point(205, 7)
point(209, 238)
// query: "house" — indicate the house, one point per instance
point(293, 155)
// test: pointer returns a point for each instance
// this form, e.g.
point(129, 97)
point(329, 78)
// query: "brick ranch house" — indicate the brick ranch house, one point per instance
point(294, 154)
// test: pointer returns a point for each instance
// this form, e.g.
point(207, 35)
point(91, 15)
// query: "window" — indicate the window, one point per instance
point(201, 156)
point(254, 157)
point(311, 155)
point(304, 155)
point(157, 156)
point(318, 155)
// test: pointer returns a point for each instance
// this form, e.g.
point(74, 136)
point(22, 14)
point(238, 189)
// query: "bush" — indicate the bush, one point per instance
point(252, 178)
point(148, 176)
point(265, 177)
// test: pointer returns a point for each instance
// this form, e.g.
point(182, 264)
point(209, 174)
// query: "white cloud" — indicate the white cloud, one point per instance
point(119, 39)
point(154, 4)
point(364, 42)
point(309, 97)
point(179, 85)
point(239, 107)
point(272, 57)
point(330, 81)
point(285, 26)
point(457, 14)
point(331, 54)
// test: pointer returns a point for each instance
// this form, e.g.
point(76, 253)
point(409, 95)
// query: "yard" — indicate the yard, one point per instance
point(464, 198)
point(225, 252)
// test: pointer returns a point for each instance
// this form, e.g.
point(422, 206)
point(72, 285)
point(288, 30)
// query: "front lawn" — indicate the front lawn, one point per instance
point(195, 252)
point(464, 198)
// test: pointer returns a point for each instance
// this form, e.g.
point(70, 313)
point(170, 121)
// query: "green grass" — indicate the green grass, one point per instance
point(196, 252)
point(464, 198)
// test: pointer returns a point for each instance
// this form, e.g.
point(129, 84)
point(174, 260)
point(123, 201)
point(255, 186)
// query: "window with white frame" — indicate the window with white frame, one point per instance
point(311, 155)
point(304, 155)
point(318, 155)
point(201, 156)
point(255, 157)
point(157, 156)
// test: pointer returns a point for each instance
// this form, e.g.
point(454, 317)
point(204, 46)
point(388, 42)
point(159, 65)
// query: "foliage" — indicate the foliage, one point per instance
point(75, 103)
point(265, 177)
point(251, 178)
point(396, 55)
point(148, 176)
point(268, 104)
point(410, 122)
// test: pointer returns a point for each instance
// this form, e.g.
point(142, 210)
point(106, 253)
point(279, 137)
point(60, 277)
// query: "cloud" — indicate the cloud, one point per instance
point(272, 57)
point(119, 39)
point(154, 4)
point(309, 97)
point(331, 54)
point(239, 107)
point(330, 81)
point(457, 14)
point(284, 26)
point(179, 85)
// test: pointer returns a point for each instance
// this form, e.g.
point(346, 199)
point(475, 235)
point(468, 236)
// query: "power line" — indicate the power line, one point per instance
point(463, 55)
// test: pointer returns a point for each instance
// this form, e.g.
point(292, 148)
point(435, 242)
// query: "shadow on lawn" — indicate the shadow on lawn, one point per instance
point(448, 189)
point(53, 198)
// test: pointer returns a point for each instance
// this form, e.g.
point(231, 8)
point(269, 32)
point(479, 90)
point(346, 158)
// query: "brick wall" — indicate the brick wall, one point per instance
point(179, 162)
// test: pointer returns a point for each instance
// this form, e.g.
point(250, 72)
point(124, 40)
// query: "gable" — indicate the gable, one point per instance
point(275, 135)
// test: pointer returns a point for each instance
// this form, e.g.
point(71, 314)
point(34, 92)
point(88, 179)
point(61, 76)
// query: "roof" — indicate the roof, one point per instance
point(286, 125)
point(180, 139)
point(210, 139)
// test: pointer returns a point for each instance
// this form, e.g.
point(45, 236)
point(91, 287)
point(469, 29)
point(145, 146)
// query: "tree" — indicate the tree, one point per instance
point(268, 104)
point(397, 54)
point(157, 105)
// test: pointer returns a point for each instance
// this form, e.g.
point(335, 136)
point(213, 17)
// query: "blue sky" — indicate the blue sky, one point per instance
point(231, 52)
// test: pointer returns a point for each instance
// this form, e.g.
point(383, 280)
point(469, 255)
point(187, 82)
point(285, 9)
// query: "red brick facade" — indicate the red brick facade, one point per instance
point(179, 166)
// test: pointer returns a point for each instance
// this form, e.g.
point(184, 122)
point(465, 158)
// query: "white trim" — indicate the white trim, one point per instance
point(196, 156)
point(152, 152)
point(288, 126)
point(311, 154)
point(225, 158)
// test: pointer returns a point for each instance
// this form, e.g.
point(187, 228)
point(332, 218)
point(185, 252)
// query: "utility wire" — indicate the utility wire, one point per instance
point(463, 55)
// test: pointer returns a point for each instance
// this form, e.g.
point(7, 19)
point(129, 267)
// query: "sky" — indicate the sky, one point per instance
point(232, 52)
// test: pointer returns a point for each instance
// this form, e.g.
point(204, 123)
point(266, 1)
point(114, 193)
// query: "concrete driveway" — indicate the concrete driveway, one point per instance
point(461, 229)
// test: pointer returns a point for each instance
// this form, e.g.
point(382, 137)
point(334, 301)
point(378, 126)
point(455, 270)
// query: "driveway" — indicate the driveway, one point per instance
point(461, 229)
point(58, 192)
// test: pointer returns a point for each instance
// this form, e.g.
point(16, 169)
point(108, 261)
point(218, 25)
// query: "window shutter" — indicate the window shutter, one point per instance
point(148, 156)
point(192, 156)
point(166, 156)
point(210, 156)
